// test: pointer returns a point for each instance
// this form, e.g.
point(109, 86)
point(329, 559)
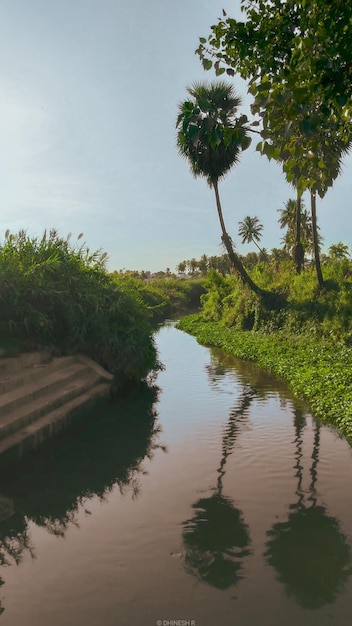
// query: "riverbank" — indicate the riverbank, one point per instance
point(316, 370)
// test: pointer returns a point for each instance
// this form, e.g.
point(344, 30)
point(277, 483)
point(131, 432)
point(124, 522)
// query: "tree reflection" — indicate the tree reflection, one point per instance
point(309, 551)
point(107, 453)
point(216, 538)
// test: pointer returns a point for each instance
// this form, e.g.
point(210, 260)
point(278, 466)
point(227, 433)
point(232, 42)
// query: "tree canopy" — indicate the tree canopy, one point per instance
point(296, 57)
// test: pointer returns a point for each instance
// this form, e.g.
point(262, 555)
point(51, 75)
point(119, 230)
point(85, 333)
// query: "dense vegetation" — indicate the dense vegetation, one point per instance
point(295, 59)
point(59, 295)
point(165, 297)
point(291, 315)
point(308, 343)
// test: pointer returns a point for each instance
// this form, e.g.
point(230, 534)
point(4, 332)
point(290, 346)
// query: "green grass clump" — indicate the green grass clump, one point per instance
point(165, 297)
point(320, 371)
point(59, 295)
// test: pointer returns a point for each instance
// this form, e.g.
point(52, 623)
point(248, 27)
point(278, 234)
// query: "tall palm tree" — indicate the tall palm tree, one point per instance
point(211, 138)
point(250, 229)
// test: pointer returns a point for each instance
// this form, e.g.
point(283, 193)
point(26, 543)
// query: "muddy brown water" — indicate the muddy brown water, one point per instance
point(213, 498)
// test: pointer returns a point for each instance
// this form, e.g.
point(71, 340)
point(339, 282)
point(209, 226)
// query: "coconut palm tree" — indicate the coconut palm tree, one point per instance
point(181, 267)
point(298, 237)
point(211, 138)
point(203, 264)
point(250, 229)
point(338, 251)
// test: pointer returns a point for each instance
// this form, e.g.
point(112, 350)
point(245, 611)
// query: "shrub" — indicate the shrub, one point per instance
point(53, 293)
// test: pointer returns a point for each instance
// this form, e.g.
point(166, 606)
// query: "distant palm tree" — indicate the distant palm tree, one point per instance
point(192, 264)
point(339, 251)
point(298, 237)
point(250, 229)
point(181, 267)
point(203, 264)
point(211, 138)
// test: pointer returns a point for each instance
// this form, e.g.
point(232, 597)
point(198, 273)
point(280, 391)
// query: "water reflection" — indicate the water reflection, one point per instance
point(216, 538)
point(310, 553)
point(236, 537)
point(106, 453)
point(248, 373)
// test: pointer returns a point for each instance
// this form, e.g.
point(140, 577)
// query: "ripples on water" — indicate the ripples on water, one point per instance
point(214, 497)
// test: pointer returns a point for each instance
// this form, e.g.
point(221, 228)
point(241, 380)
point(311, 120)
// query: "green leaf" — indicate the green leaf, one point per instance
point(207, 64)
point(220, 71)
point(246, 142)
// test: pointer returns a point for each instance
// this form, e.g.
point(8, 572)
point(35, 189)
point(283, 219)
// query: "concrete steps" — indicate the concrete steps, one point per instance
point(40, 395)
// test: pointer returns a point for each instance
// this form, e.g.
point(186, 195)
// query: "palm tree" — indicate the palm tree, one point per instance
point(181, 267)
point(211, 137)
point(339, 251)
point(203, 264)
point(298, 237)
point(192, 264)
point(250, 229)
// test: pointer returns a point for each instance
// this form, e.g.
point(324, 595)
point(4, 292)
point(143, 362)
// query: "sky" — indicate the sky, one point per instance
point(89, 91)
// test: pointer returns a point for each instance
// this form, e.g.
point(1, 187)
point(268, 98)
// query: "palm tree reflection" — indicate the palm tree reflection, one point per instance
point(309, 551)
point(216, 538)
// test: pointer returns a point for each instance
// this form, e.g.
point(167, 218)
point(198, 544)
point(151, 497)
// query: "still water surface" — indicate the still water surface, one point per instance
point(214, 498)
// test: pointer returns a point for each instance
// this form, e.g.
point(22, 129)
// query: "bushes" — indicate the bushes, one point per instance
point(305, 310)
point(308, 342)
point(319, 371)
point(165, 297)
point(181, 294)
point(53, 293)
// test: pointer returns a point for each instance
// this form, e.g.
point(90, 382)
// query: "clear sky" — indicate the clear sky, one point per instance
point(88, 102)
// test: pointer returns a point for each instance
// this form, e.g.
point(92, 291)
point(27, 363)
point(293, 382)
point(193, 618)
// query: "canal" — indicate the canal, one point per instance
point(209, 498)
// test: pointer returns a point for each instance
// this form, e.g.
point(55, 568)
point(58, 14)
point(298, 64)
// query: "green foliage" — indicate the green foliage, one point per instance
point(319, 371)
point(179, 295)
point(57, 294)
point(339, 251)
point(218, 288)
point(230, 302)
point(210, 136)
point(308, 342)
point(295, 56)
point(299, 308)
point(165, 297)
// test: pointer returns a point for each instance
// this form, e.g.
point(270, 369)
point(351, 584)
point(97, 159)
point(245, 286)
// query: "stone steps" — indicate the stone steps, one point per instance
point(39, 397)
point(12, 378)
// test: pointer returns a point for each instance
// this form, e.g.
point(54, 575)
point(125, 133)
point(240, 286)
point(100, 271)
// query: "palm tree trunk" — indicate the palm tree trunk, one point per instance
point(234, 258)
point(299, 251)
point(260, 250)
point(315, 241)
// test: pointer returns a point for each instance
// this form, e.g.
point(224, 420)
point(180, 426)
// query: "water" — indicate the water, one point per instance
point(216, 499)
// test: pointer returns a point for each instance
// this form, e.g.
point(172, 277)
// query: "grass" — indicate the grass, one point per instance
point(57, 294)
point(319, 371)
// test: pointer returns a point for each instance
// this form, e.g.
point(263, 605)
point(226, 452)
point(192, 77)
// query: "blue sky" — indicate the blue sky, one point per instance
point(88, 101)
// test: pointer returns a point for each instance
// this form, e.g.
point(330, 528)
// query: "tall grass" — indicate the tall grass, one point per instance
point(57, 293)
